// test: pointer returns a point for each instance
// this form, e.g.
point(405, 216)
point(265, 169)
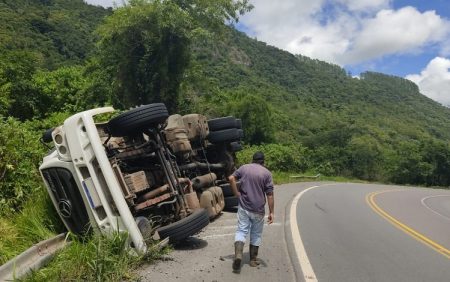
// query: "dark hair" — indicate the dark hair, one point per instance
point(258, 157)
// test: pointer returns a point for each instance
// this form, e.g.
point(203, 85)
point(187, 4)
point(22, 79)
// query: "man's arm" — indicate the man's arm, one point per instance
point(233, 185)
point(271, 203)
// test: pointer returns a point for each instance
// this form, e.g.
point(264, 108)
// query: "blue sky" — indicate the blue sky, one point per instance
point(409, 39)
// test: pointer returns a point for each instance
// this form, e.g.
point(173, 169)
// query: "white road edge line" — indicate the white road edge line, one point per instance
point(428, 207)
point(305, 265)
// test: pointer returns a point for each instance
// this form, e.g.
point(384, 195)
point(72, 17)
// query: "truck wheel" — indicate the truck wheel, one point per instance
point(221, 123)
point(185, 227)
point(238, 123)
point(241, 133)
point(231, 134)
point(231, 202)
point(235, 146)
point(226, 189)
point(138, 119)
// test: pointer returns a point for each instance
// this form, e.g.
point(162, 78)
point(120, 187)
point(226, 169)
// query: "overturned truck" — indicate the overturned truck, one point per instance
point(144, 172)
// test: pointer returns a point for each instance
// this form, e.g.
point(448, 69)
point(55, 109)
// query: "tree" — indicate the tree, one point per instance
point(437, 153)
point(16, 87)
point(256, 114)
point(365, 157)
point(145, 45)
point(61, 89)
point(407, 165)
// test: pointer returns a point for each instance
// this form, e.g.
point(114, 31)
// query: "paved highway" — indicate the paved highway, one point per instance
point(328, 232)
point(356, 232)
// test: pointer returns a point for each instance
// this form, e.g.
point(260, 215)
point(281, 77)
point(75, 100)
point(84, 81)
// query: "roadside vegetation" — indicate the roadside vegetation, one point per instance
point(59, 57)
point(98, 258)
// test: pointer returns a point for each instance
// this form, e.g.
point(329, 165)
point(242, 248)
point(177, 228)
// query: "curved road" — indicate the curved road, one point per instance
point(357, 232)
point(350, 232)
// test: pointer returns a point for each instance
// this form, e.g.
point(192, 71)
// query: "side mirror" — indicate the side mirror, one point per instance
point(47, 136)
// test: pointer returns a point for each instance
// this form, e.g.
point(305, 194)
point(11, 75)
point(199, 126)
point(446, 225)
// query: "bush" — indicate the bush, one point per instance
point(20, 153)
point(278, 157)
point(20, 156)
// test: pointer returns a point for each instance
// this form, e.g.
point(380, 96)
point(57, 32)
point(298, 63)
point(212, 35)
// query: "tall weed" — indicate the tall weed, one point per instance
point(37, 221)
point(99, 258)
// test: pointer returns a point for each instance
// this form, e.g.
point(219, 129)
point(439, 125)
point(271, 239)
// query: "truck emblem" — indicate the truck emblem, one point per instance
point(65, 208)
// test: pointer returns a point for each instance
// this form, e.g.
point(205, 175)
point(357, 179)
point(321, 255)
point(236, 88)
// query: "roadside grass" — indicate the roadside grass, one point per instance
point(98, 258)
point(37, 221)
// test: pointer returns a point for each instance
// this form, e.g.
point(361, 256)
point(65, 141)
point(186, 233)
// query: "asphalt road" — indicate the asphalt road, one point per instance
point(350, 232)
point(356, 232)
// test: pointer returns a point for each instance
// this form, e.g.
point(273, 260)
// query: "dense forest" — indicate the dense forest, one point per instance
point(58, 57)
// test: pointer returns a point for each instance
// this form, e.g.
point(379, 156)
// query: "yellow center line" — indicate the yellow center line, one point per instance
point(370, 199)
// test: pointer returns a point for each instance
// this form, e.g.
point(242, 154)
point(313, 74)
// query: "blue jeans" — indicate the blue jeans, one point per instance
point(249, 222)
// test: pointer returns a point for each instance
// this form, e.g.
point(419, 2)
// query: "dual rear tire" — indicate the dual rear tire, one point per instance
point(225, 130)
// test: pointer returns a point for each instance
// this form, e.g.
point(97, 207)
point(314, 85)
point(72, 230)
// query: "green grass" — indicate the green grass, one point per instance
point(36, 222)
point(97, 258)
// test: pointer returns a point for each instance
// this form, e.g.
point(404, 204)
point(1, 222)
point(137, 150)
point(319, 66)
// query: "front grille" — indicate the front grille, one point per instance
point(69, 203)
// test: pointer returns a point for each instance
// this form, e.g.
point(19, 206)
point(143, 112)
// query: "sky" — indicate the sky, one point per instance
point(406, 38)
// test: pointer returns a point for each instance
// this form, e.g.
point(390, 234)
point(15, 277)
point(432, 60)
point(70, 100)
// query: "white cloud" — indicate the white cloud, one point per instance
point(434, 80)
point(324, 42)
point(402, 31)
point(352, 32)
point(274, 22)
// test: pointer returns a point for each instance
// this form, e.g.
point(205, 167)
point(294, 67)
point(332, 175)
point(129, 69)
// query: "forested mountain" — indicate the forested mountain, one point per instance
point(315, 94)
point(373, 127)
point(53, 32)
point(58, 57)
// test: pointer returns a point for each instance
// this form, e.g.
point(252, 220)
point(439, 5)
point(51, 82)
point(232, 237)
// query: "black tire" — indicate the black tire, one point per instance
point(138, 119)
point(221, 123)
point(226, 189)
point(235, 146)
point(238, 123)
point(226, 135)
point(231, 202)
point(185, 227)
point(241, 134)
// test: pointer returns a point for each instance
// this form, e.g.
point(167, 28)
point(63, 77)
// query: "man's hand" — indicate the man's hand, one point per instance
point(271, 203)
point(270, 218)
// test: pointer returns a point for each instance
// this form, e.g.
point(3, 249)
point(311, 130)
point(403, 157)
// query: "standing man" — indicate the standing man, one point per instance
point(256, 185)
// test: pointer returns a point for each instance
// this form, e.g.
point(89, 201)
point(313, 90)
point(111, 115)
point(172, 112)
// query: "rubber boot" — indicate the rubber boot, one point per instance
point(238, 249)
point(254, 256)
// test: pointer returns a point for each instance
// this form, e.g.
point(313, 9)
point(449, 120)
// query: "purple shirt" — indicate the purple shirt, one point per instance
point(256, 181)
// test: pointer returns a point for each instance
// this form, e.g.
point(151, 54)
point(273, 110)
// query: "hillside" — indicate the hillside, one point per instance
point(320, 118)
point(55, 32)
point(315, 93)
point(373, 127)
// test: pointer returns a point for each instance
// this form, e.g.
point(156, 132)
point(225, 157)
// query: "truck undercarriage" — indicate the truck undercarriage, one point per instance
point(144, 172)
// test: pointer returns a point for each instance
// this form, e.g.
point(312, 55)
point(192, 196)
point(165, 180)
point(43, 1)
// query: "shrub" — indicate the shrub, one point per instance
point(278, 157)
point(20, 156)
